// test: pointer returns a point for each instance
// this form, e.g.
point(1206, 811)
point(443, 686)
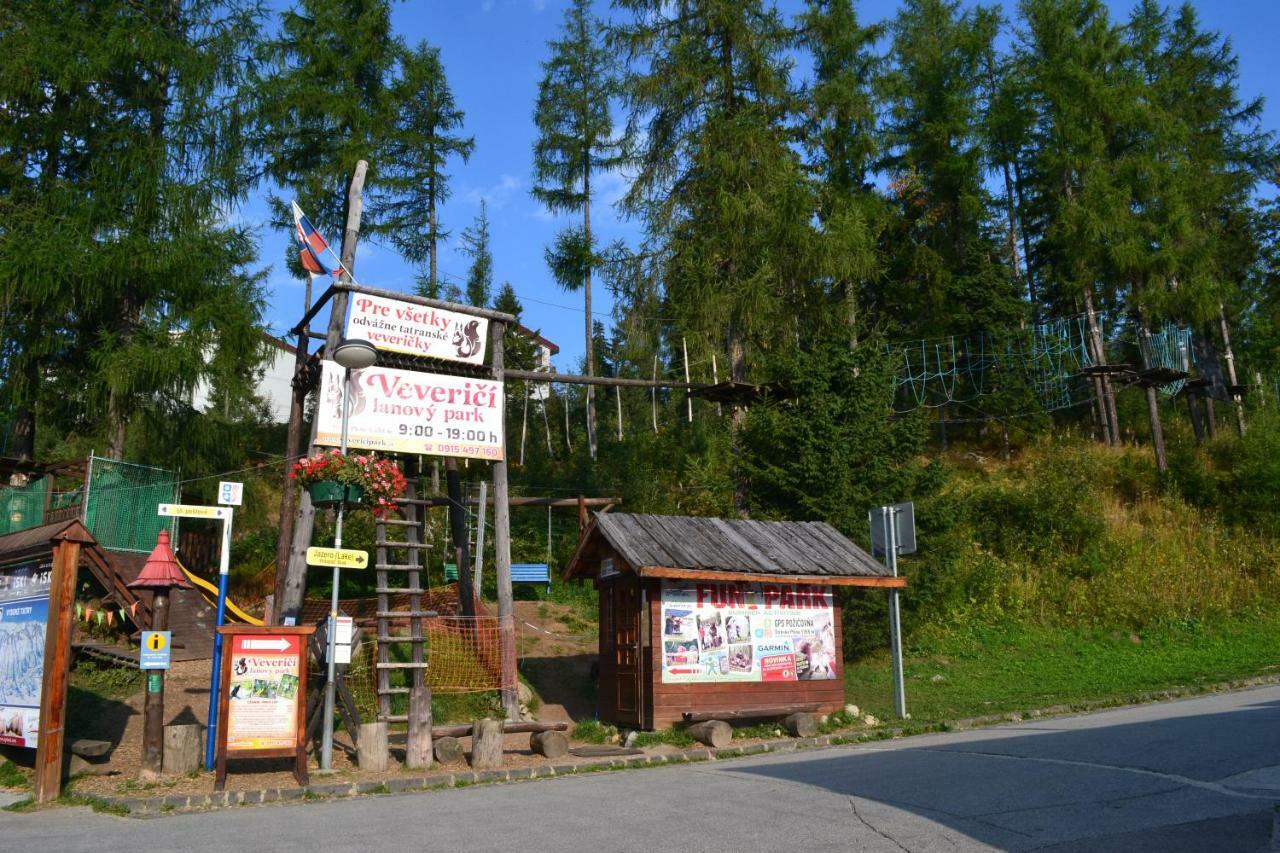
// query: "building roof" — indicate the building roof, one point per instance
point(711, 548)
point(537, 338)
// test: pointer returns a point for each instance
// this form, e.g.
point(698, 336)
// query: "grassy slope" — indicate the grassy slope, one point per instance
point(991, 670)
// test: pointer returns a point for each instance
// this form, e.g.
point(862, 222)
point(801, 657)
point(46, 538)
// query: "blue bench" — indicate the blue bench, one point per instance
point(539, 573)
point(531, 573)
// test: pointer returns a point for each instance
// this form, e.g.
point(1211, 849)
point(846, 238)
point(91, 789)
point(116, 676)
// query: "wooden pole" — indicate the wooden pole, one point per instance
point(1153, 414)
point(288, 491)
point(153, 707)
point(617, 396)
point(57, 666)
point(653, 394)
point(1231, 366)
point(524, 422)
point(684, 348)
point(295, 581)
point(418, 751)
point(502, 552)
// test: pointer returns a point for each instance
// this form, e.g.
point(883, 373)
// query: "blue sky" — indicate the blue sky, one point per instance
point(491, 50)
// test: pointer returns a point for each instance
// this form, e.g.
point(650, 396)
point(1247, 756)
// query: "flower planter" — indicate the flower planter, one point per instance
point(332, 493)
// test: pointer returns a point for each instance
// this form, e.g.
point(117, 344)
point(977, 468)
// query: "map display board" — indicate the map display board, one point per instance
point(24, 618)
point(743, 632)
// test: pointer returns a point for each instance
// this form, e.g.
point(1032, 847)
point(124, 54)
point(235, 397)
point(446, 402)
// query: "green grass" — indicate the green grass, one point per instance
point(994, 670)
point(11, 776)
point(591, 731)
point(672, 736)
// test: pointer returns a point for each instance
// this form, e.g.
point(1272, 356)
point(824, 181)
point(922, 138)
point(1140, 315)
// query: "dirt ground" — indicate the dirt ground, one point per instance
point(556, 650)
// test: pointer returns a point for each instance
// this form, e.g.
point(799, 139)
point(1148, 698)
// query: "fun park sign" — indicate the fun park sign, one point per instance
point(727, 632)
point(404, 411)
point(396, 326)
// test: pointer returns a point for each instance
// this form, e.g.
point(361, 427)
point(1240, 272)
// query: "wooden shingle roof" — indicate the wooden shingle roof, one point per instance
point(687, 547)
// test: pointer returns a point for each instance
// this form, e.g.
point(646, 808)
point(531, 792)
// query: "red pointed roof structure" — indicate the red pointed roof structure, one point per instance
point(161, 568)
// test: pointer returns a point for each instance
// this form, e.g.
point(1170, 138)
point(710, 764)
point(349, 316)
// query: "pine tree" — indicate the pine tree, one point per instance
point(838, 125)
point(946, 269)
point(326, 95)
point(426, 137)
point(1079, 214)
point(475, 245)
point(722, 193)
point(124, 144)
point(575, 142)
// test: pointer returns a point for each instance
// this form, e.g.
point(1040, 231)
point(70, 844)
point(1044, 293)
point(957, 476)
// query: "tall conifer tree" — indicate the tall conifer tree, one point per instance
point(475, 245)
point(425, 139)
point(575, 142)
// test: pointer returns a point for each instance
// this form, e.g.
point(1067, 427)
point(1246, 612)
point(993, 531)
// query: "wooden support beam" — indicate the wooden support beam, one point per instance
point(612, 381)
point(555, 503)
point(57, 667)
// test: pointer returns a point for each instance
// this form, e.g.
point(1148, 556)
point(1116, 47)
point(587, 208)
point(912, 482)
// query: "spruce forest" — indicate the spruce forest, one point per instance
point(1019, 265)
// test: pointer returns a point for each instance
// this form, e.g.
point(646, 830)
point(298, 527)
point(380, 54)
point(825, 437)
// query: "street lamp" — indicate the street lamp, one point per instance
point(350, 354)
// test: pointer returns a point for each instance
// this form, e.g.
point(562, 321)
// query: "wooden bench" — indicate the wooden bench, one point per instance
point(531, 573)
point(539, 573)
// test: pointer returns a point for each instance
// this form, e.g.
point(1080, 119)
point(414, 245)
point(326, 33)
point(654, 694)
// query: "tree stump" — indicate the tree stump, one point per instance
point(371, 750)
point(447, 749)
point(549, 744)
point(183, 748)
point(801, 725)
point(714, 733)
point(486, 744)
point(418, 752)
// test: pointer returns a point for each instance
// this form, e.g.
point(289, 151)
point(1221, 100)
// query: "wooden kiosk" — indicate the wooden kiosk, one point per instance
point(704, 618)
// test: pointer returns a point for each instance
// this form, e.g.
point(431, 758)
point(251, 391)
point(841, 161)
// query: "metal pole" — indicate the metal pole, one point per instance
point(326, 741)
point(895, 620)
point(215, 683)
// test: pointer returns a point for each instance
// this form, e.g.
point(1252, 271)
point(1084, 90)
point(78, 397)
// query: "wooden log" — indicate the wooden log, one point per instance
point(549, 744)
point(752, 713)
point(508, 727)
point(183, 748)
point(447, 749)
point(715, 733)
point(372, 753)
point(486, 744)
point(801, 725)
point(418, 752)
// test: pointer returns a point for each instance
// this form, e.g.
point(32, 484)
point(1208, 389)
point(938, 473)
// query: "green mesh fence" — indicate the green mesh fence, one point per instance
point(23, 506)
point(122, 501)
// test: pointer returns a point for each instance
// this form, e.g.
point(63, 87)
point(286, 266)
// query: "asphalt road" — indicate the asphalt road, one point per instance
point(1198, 774)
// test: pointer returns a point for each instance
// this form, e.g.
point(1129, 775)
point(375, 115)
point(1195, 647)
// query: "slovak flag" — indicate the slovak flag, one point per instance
point(312, 245)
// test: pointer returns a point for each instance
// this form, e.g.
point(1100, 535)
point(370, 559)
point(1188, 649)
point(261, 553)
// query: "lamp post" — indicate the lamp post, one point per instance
point(160, 572)
point(350, 355)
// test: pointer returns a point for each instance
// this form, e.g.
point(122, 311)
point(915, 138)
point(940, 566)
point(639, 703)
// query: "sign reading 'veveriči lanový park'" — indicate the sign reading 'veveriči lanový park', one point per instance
point(396, 326)
point(405, 411)
point(723, 632)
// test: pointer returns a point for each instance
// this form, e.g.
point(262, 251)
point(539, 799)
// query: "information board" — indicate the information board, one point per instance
point(24, 620)
point(406, 411)
point(727, 632)
point(263, 695)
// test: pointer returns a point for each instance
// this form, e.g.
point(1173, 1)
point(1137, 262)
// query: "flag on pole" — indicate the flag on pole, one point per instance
point(313, 245)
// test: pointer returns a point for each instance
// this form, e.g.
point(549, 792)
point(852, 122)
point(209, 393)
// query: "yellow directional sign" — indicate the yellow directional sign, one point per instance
point(156, 640)
point(191, 511)
point(343, 558)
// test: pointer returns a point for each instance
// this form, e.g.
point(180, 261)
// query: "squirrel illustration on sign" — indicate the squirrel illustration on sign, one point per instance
point(467, 340)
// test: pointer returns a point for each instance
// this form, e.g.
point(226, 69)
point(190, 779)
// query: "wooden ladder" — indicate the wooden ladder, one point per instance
point(414, 523)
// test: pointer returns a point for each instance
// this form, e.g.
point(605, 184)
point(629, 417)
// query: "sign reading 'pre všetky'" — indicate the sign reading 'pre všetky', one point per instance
point(396, 326)
point(405, 411)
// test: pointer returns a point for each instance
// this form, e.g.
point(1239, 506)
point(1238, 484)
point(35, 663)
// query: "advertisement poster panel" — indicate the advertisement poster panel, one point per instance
point(396, 326)
point(262, 705)
point(403, 411)
point(24, 618)
point(725, 632)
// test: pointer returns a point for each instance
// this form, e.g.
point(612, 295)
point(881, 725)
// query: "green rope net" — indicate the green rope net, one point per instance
point(121, 511)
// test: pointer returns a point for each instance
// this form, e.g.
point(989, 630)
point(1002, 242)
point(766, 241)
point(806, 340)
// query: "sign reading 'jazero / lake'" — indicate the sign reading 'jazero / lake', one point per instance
point(396, 326)
point(403, 411)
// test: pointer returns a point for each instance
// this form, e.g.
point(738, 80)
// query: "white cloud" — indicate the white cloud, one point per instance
point(498, 195)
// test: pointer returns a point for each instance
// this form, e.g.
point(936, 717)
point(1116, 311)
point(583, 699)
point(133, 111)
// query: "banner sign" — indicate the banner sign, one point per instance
point(396, 326)
point(725, 632)
point(263, 691)
point(24, 618)
point(405, 411)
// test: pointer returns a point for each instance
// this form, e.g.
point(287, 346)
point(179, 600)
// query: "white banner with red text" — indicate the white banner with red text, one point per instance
point(396, 326)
